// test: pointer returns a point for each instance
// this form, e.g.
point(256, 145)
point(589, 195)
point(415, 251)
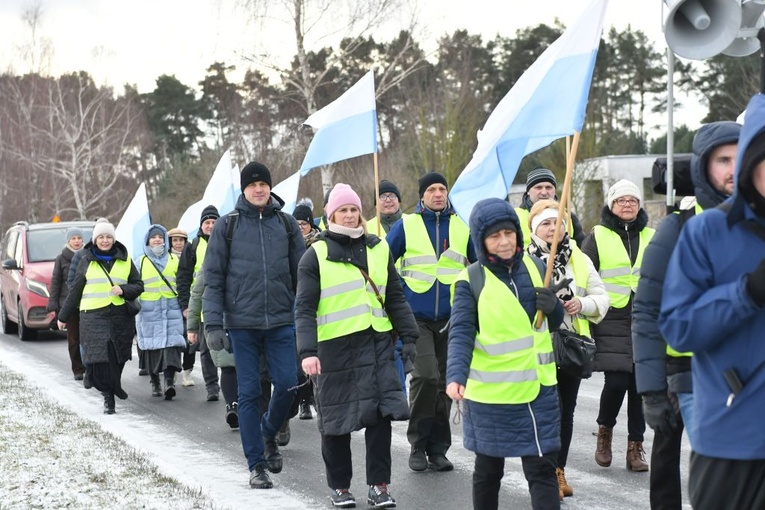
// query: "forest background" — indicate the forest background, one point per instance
point(77, 149)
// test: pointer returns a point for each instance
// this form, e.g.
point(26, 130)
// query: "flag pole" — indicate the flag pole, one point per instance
point(570, 158)
point(377, 194)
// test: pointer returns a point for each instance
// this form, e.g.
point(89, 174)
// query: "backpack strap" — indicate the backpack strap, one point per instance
point(232, 220)
point(477, 279)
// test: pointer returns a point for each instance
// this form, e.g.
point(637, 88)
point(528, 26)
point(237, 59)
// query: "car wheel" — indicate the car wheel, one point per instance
point(8, 326)
point(24, 332)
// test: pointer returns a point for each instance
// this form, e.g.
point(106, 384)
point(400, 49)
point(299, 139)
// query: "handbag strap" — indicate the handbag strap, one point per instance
point(160, 274)
point(105, 272)
point(374, 287)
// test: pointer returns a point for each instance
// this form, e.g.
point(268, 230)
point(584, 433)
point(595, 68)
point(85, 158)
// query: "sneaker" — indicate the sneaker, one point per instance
point(259, 478)
point(212, 396)
point(186, 379)
point(343, 498)
point(284, 435)
point(272, 455)
point(232, 415)
point(418, 461)
point(439, 462)
point(378, 496)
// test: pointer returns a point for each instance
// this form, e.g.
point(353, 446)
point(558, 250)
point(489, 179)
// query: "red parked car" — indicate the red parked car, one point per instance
point(28, 252)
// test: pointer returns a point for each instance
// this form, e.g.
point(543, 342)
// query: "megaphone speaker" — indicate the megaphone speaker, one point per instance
point(751, 18)
point(700, 29)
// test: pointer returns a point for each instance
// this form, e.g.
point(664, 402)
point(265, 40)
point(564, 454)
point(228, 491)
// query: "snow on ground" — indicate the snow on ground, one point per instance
point(58, 450)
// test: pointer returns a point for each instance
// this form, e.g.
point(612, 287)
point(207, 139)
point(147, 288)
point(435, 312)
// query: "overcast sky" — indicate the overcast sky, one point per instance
point(135, 42)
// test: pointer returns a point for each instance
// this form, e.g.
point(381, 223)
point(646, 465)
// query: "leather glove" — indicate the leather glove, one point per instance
point(546, 298)
point(217, 340)
point(755, 284)
point(408, 355)
point(659, 412)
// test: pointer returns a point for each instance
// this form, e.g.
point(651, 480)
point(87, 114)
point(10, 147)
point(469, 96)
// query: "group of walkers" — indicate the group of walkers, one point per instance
point(294, 314)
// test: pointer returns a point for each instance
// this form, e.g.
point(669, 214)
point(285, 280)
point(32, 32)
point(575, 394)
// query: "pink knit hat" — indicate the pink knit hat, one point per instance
point(341, 195)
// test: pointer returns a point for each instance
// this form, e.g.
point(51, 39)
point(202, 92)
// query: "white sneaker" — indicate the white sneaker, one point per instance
point(187, 380)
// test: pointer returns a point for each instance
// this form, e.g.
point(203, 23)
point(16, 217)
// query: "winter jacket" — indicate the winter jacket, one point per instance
point(613, 336)
point(501, 430)
point(654, 370)
point(221, 358)
point(111, 323)
point(251, 281)
point(73, 265)
point(358, 377)
point(160, 322)
point(58, 286)
point(706, 309)
point(435, 304)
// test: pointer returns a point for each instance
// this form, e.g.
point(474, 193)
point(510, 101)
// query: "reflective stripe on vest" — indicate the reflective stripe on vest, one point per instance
point(581, 279)
point(420, 266)
point(97, 292)
point(619, 275)
point(153, 285)
point(347, 303)
point(510, 359)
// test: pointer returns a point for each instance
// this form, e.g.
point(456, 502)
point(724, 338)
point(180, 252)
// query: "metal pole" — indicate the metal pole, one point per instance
point(670, 130)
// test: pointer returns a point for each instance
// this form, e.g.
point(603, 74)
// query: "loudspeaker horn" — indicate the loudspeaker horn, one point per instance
point(700, 29)
point(751, 21)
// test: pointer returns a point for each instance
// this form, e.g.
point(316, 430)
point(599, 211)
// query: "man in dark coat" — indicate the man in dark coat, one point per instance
point(664, 381)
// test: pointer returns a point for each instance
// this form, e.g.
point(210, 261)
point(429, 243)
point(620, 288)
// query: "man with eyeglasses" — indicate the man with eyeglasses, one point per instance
point(389, 203)
point(616, 248)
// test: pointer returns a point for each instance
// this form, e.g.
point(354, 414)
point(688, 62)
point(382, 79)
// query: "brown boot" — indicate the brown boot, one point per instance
point(603, 451)
point(636, 457)
point(564, 489)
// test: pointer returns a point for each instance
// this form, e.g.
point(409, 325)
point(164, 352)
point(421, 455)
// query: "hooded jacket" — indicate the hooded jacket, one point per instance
point(509, 430)
point(251, 280)
point(706, 309)
point(435, 304)
point(654, 370)
point(159, 324)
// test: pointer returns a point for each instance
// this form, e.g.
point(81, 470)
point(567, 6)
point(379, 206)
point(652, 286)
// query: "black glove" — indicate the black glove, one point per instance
point(659, 412)
point(755, 284)
point(217, 340)
point(408, 355)
point(546, 298)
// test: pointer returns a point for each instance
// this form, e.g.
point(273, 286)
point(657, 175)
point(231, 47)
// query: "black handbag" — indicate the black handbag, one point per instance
point(574, 353)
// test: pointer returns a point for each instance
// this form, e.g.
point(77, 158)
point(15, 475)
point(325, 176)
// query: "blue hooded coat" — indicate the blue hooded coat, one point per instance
point(706, 309)
point(159, 324)
point(501, 430)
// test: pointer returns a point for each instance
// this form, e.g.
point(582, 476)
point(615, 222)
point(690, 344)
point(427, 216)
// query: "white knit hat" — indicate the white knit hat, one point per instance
point(623, 188)
point(102, 228)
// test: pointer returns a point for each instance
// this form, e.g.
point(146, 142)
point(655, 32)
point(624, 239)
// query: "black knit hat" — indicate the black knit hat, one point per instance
point(209, 213)
point(255, 172)
point(303, 212)
point(540, 175)
point(389, 187)
point(753, 156)
point(428, 180)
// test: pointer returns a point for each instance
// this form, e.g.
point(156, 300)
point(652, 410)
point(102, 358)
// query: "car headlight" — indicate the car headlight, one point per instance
point(38, 288)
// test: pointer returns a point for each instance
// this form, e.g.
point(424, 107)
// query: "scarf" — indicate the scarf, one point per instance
point(387, 220)
point(353, 233)
point(541, 249)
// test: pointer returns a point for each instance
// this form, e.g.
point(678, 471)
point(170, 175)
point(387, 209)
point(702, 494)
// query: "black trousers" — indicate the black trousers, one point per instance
point(617, 384)
point(568, 390)
point(228, 385)
point(336, 451)
point(724, 483)
point(539, 473)
point(666, 487)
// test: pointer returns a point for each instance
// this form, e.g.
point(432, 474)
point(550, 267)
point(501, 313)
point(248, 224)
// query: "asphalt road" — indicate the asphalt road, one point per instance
point(202, 423)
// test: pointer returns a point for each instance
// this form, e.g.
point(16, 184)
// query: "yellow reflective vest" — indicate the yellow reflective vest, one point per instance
point(511, 359)
point(154, 287)
point(420, 267)
point(372, 228)
point(619, 275)
point(200, 256)
point(347, 303)
point(581, 279)
point(97, 292)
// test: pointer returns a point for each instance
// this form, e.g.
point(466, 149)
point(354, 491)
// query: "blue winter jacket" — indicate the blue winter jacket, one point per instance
point(706, 309)
point(501, 430)
point(435, 304)
point(159, 324)
point(654, 370)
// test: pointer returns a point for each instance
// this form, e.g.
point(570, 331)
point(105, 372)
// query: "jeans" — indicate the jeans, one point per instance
point(539, 473)
point(686, 410)
point(611, 399)
point(278, 346)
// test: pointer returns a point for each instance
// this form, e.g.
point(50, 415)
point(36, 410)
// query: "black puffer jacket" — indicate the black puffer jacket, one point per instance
point(654, 370)
point(358, 379)
point(250, 284)
point(58, 287)
point(109, 324)
point(613, 335)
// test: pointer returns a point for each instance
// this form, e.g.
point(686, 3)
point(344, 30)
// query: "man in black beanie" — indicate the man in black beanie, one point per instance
point(433, 245)
point(389, 204)
point(540, 185)
point(189, 265)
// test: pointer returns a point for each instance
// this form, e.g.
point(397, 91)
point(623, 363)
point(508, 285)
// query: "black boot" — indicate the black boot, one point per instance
point(305, 410)
point(156, 389)
point(169, 387)
point(108, 402)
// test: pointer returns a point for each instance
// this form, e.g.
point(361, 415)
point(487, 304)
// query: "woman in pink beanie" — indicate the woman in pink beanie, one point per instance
point(349, 300)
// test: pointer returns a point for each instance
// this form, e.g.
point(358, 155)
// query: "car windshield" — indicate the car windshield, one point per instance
point(45, 245)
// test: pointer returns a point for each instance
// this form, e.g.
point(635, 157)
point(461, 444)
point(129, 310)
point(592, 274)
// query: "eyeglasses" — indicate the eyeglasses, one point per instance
point(302, 223)
point(627, 201)
point(388, 197)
